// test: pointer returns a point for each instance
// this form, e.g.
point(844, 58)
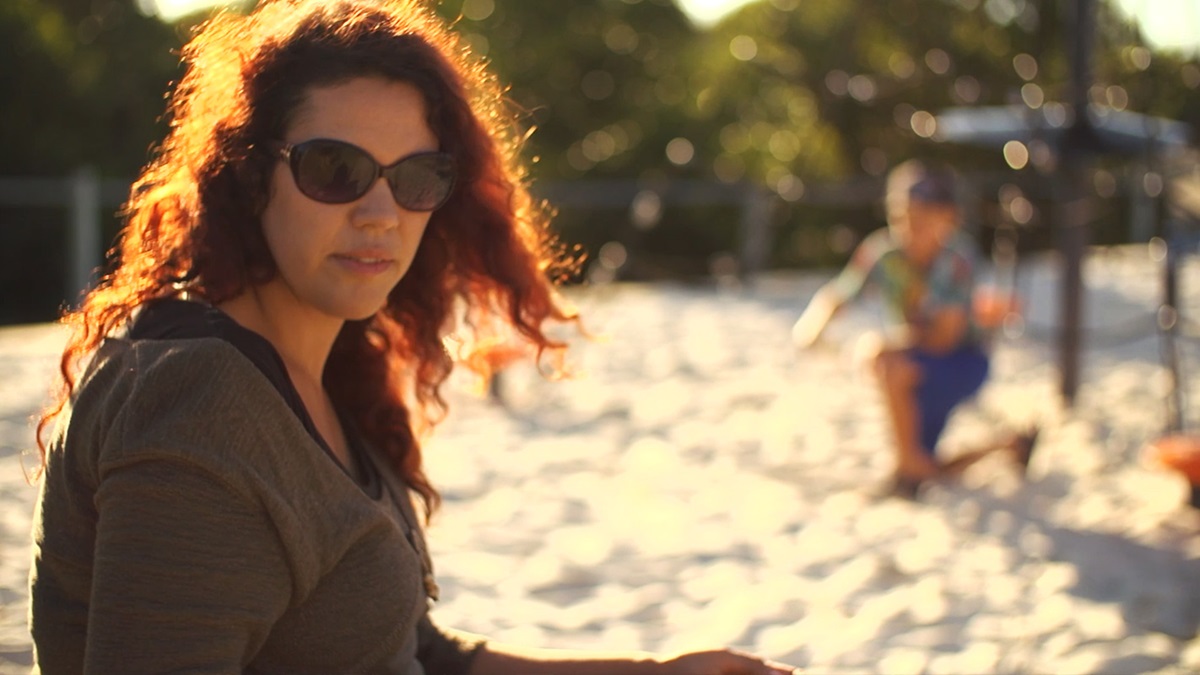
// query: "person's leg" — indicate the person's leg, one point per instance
point(949, 380)
point(966, 458)
point(899, 378)
point(1020, 444)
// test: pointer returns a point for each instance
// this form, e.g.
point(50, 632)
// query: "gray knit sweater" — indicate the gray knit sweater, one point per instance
point(187, 522)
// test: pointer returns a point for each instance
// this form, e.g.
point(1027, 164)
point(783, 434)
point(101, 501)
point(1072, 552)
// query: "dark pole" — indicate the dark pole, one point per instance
point(1074, 204)
point(1168, 325)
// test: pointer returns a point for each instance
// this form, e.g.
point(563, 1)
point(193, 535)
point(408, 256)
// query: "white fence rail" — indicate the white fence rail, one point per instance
point(86, 197)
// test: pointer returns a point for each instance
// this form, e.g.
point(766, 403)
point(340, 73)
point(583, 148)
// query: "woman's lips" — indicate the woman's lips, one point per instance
point(366, 262)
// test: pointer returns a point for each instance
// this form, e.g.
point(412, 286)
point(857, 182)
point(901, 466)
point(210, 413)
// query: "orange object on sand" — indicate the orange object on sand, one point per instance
point(1177, 452)
point(497, 356)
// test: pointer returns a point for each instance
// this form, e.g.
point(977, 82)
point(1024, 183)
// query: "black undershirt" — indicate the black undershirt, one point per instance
point(175, 319)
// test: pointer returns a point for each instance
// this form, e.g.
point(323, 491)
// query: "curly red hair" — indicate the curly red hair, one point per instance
point(193, 218)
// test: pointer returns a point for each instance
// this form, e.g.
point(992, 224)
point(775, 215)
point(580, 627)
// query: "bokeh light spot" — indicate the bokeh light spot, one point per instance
point(967, 89)
point(784, 145)
point(1032, 95)
point(902, 65)
point(923, 123)
point(1026, 66)
point(790, 187)
point(1117, 96)
point(599, 146)
point(646, 209)
point(937, 61)
point(862, 88)
point(680, 151)
point(621, 39)
point(837, 82)
point(743, 48)
point(478, 10)
point(1139, 57)
point(1016, 155)
point(735, 138)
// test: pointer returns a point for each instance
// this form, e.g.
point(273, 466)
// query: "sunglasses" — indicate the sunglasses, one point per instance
point(336, 172)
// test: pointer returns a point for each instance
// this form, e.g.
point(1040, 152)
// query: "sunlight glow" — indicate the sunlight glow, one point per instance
point(1166, 24)
point(706, 13)
point(172, 10)
point(1169, 25)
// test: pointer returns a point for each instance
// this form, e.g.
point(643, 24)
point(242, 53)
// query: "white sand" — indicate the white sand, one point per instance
point(703, 485)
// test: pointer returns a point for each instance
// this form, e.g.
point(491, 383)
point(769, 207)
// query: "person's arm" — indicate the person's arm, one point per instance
point(497, 660)
point(807, 330)
point(188, 576)
point(451, 652)
point(835, 294)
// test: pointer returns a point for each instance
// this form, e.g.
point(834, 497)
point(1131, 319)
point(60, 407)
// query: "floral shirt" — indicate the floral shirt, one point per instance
point(911, 296)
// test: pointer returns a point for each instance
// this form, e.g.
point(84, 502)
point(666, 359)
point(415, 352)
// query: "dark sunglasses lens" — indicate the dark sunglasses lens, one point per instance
point(422, 182)
point(332, 172)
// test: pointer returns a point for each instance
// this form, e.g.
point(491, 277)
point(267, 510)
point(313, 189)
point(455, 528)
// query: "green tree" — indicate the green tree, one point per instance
point(812, 91)
point(88, 80)
point(788, 94)
point(82, 84)
point(602, 83)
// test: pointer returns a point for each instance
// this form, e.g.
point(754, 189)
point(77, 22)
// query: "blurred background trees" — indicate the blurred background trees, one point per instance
point(83, 82)
point(809, 101)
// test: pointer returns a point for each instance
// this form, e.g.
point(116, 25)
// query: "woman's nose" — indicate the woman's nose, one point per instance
point(377, 208)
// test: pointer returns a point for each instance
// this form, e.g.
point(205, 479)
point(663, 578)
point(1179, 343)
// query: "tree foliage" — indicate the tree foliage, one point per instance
point(818, 89)
point(602, 83)
point(84, 83)
point(785, 94)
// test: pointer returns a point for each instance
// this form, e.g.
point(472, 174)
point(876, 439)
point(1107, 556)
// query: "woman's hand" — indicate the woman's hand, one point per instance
point(724, 662)
point(496, 659)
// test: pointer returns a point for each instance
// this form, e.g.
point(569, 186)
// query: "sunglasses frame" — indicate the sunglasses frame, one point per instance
point(288, 153)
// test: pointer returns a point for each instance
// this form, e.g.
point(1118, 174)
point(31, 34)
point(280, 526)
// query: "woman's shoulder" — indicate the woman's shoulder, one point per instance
point(144, 357)
point(192, 368)
point(199, 409)
point(199, 400)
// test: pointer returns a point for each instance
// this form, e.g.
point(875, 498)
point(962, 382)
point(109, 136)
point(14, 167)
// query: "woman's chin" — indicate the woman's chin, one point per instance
point(363, 313)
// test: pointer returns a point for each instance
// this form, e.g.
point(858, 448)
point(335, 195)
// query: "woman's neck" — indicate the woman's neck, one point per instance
point(302, 335)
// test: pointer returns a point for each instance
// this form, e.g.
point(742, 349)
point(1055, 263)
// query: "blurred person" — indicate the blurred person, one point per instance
point(932, 355)
point(228, 472)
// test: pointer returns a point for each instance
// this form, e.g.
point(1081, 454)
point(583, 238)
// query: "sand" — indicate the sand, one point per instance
point(702, 484)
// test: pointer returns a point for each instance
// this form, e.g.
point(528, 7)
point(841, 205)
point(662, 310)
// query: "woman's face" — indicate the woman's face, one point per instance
point(342, 260)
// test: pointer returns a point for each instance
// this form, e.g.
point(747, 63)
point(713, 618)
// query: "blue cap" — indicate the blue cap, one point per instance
point(921, 182)
point(933, 188)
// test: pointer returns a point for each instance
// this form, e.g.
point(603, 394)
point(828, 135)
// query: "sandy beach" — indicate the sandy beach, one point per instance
point(701, 484)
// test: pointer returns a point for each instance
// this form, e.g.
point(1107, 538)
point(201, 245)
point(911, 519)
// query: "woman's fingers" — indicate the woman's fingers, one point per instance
point(775, 668)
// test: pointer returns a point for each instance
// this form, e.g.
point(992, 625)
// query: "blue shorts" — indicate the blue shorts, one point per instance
point(946, 381)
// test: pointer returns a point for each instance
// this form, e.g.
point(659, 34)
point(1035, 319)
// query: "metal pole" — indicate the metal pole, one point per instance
point(1075, 211)
point(1168, 326)
point(755, 228)
point(85, 231)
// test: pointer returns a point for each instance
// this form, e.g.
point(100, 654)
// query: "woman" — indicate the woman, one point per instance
point(227, 471)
